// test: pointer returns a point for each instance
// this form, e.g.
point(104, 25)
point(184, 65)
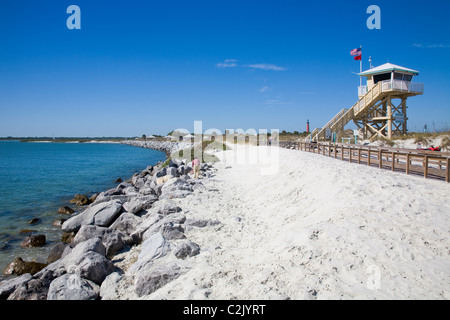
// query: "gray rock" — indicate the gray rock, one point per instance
point(165, 207)
point(56, 252)
point(72, 255)
point(92, 266)
point(186, 249)
point(173, 221)
point(37, 287)
point(102, 214)
point(146, 191)
point(175, 188)
point(127, 223)
point(121, 198)
point(161, 173)
point(149, 280)
point(72, 287)
point(130, 191)
point(172, 231)
point(8, 286)
point(112, 239)
point(139, 183)
point(201, 223)
point(139, 203)
point(154, 247)
point(148, 222)
point(172, 171)
point(109, 287)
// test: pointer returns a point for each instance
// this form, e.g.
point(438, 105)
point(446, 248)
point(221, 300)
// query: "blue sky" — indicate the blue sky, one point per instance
point(148, 67)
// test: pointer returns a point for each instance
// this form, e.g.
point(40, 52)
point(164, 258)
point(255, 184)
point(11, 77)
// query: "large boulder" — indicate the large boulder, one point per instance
point(102, 214)
point(65, 210)
point(112, 239)
point(80, 200)
point(8, 286)
point(109, 288)
point(92, 266)
point(37, 287)
point(19, 266)
point(126, 223)
point(72, 287)
point(185, 249)
point(169, 226)
point(165, 207)
point(36, 240)
point(139, 203)
point(149, 280)
point(153, 248)
point(175, 188)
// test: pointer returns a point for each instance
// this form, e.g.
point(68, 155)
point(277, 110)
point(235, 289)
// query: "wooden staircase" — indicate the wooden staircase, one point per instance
point(360, 109)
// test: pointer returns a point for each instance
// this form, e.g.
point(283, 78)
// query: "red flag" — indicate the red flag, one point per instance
point(358, 57)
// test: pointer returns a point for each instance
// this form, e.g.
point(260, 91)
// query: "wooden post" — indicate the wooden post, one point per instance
point(407, 163)
point(335, 151)
point(329, 149)
point(389, 116)
point(342, 152)
point(368, 157)
point(425, 172)
point(359, 155)
point(447, 175)
point(393, 161)
point(380, 155)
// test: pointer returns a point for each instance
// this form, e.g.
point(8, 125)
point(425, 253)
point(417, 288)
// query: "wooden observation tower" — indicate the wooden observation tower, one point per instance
point(381, 108)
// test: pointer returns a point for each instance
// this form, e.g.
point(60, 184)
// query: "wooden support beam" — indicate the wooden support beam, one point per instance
point(359, 155)
point(380, 159)
point(425, 172)
point(407, 163)
point(393, 161)
point(447, 175)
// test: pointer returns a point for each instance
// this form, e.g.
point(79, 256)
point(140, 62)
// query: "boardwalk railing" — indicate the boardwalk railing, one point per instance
point(429, 164)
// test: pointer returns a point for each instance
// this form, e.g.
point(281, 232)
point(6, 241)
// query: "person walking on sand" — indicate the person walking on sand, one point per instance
point(196, 167)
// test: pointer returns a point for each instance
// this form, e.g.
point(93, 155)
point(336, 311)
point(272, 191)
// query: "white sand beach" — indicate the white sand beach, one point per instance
point(319, 228)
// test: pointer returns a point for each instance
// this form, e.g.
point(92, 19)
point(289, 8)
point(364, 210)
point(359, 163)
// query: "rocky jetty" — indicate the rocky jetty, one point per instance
point(168, 147)
point(139, 214)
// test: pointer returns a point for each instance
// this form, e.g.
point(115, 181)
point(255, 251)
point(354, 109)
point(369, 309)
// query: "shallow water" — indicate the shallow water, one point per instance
point(38, 178)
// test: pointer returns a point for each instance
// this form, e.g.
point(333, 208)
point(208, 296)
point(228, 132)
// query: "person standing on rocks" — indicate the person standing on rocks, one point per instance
point(196, 167)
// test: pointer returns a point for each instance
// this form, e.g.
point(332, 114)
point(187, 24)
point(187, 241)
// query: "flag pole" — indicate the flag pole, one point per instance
point(360, 68)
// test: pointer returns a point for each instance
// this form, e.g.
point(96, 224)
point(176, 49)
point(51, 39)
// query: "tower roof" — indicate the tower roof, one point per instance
point(387, 67)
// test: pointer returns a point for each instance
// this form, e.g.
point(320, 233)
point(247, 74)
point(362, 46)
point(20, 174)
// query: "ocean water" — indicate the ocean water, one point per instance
point(38, 178)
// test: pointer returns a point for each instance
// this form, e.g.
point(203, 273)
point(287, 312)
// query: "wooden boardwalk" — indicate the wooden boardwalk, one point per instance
point(429, 164)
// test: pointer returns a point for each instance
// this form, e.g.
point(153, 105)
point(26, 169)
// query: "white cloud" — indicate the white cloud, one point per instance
point(276, 101)
point(264, 89)
point(226, 64)
point(431, 45)
point(266, 66)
